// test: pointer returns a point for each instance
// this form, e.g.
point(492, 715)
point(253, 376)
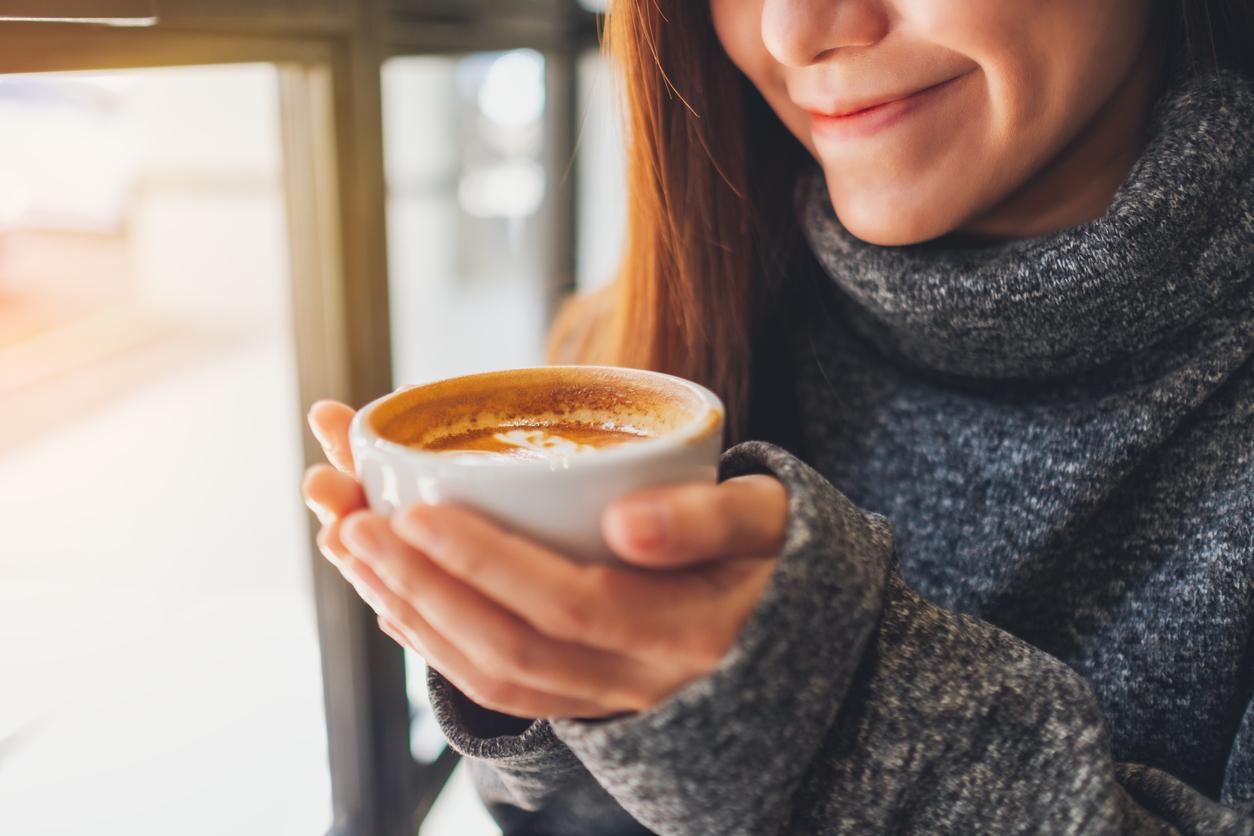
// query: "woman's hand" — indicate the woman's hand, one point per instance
point(525, 631)
point(332, 493)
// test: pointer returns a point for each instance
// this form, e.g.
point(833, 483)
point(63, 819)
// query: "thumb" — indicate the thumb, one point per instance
point(680, 525)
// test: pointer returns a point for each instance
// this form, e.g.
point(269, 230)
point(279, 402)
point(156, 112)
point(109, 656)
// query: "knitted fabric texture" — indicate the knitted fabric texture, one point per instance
point(1017, 589)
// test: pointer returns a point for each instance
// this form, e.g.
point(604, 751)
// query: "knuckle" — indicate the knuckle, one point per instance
point(568, 619)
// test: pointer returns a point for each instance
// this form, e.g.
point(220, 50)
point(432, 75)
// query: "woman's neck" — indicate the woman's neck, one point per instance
point(1078, 184)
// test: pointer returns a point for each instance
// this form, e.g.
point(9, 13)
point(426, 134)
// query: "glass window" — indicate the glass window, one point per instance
point(464, 143)
point(470, 249)
point(602, 199)
point(156, 616)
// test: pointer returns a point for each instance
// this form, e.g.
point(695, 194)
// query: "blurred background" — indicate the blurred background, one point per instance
point(211, 215)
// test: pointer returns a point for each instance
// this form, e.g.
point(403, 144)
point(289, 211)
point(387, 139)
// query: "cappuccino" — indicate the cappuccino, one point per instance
point(551, 441)
point(543, 451)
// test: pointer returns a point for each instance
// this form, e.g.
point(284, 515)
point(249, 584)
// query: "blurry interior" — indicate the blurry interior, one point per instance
point(156, 595)
point(157, 615)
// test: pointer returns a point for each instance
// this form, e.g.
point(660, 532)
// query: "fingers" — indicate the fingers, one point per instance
point(491, 636)
point(681, 524)
point(330, 493)
point(487, 690)
point(357, 573)
point(555, 595)
point(329, 422)
point(395, 633)
point(624, 612)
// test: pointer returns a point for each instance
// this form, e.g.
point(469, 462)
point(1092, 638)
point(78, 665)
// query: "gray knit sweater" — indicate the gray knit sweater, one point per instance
point(1017, 590)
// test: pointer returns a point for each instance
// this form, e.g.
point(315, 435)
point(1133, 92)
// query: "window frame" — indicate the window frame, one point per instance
point(113, 12)
point(331, 122)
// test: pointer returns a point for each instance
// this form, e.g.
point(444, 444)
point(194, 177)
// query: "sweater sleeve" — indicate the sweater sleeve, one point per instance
point(849, 704)
point(529, 781)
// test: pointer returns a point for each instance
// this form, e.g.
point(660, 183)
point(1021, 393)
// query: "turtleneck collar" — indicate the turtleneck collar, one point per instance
point(1176, 241)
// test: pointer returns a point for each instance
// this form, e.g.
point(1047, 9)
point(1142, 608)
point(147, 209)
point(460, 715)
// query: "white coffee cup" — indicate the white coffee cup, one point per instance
point(556, 500)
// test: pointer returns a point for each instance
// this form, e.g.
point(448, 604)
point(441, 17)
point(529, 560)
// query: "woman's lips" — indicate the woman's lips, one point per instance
point(871, 120)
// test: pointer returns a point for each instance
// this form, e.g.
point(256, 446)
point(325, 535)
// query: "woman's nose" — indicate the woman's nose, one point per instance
point(799, 33)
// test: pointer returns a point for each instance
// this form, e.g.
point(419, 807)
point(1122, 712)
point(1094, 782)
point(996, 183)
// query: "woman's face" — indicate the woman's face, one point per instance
point(977, 101)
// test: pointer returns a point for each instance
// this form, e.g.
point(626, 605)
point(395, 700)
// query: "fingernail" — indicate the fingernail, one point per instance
point(324, 516)
point(327, 446)
point(326, 549)
point(313, 425)
point(363, 590)
point(647, 521)
point(317, 433)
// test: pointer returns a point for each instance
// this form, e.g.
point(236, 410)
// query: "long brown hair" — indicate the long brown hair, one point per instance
point(711, 234)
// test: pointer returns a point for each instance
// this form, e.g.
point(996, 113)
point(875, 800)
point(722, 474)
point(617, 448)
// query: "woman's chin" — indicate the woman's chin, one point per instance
point(892, 226)
point(890, 218)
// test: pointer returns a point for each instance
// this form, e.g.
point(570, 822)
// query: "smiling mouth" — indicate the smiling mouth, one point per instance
point(871, 119)
point(845, 114)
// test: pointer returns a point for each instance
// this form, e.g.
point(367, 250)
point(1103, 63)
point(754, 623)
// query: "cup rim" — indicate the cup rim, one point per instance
point(362, 433)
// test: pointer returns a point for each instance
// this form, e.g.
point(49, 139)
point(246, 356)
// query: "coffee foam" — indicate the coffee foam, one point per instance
point(542, 443)
point(558, 443)
point(535, 399)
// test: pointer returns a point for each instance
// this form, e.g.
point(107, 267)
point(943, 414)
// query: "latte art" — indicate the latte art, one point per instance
point(550, 443)
point(542, 443)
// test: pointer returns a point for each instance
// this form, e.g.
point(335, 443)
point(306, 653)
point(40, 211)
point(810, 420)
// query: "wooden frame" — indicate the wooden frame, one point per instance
point(329, 65)
point(108, 12)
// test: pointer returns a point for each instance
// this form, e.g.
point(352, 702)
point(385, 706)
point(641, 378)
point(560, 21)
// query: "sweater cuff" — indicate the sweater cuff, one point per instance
point(697, 755)
point(520, 746)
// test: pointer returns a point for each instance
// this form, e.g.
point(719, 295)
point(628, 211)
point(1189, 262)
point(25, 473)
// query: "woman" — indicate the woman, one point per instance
point(987, 562)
